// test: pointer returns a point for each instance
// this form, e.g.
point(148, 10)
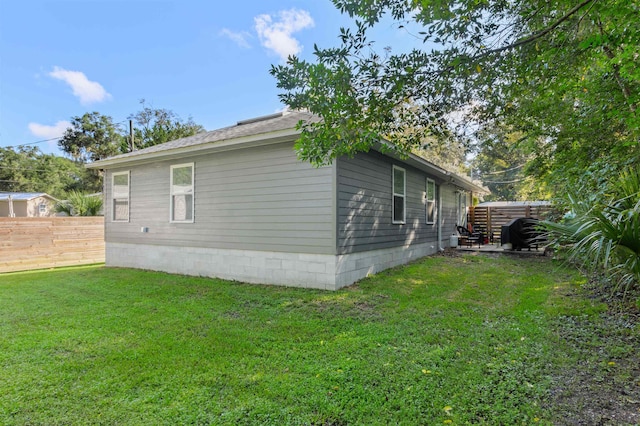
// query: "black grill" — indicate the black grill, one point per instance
point(522, 232)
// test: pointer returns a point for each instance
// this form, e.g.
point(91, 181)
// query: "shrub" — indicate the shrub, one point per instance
point(79, 204)
point(604, 234)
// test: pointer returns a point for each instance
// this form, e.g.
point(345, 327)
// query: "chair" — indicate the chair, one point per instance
point(467, 237)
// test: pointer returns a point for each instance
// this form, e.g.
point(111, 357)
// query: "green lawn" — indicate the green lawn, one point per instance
point(441, 341)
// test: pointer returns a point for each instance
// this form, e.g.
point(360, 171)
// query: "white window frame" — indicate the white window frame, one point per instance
point(42, 208)
point(120, 197)
point(190, 191)
point(463, 204)
point(433, 201)
point(395, 194)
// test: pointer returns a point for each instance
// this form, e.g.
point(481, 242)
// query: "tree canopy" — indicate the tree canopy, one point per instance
point(507, 166)
point(94, 136)
point(562, 74)
point(156, 126)
point(27, 169)
point(91, 137)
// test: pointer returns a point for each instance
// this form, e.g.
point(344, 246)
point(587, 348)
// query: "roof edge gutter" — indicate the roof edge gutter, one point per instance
point(225, 145)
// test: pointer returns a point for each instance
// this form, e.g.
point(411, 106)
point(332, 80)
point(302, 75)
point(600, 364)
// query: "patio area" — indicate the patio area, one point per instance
point(499, 249)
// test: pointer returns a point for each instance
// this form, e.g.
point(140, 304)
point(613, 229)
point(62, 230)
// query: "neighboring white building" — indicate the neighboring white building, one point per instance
point(27, 204)
point(237, 203)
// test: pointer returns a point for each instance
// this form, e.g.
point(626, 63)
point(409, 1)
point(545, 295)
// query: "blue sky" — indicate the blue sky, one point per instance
point(208, 60)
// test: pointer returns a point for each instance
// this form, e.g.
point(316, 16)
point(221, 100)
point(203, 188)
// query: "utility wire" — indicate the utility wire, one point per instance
point(23, 168)
point(505, 182)
point(505, 170)
point(33, 143)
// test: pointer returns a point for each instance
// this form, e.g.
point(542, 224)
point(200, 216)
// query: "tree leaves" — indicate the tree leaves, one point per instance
point(91, 137)
point(561, 72)
point(79, 204)
point(26, 169)
point(604, 235)
point(156, 126)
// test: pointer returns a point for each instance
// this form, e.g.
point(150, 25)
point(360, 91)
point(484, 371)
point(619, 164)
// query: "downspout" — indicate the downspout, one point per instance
point(439, 213)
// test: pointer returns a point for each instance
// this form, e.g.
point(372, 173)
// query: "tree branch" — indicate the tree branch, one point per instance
point(539, 34)
point(626, 92)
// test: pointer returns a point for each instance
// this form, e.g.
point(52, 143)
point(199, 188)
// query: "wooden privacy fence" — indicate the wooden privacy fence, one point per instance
point(490, 219)
point(46, 242)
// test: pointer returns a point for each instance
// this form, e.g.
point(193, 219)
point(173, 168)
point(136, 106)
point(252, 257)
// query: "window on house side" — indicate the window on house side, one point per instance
point(120, 196)
point(182, 193)
point(42, 208)
point(399, 192)
point(431, 201)
point(462, 208)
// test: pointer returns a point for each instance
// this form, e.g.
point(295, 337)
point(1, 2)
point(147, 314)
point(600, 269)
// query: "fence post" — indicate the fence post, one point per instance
point(489, 226)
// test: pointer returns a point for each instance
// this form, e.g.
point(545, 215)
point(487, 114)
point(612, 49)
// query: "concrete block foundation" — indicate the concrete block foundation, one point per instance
point(319, 271)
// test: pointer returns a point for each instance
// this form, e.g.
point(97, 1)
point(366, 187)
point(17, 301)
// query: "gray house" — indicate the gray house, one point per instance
point(236, 203)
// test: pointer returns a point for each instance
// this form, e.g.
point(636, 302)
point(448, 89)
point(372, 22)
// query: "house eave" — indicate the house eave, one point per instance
point(287, 135)
point(443, 175)
point(262, 139)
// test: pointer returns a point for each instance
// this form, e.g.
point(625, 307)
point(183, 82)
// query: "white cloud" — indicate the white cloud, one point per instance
point(276, 32)
point(240, 38)
point(87, 91)
point(49, 132)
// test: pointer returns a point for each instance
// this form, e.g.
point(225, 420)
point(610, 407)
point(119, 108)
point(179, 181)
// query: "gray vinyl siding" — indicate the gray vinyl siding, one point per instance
point(365, 202)
point(449, 211)
point(248, 199)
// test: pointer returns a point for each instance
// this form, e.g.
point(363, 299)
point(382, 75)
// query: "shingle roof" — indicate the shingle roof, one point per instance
point(252, 127)
point(255, 127)
point(22, 196)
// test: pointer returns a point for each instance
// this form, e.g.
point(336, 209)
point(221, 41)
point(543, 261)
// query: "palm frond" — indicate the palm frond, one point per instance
point(79, 204)
point(604, 235)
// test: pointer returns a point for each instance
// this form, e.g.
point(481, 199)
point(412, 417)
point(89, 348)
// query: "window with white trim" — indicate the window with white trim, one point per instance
point(120, 196)
point(399, 194)
point(181, 203)
point(430, 201)
point(462, 208)
point(42, 208)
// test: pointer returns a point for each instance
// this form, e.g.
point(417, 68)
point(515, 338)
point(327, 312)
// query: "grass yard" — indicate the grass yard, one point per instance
point(447, 340)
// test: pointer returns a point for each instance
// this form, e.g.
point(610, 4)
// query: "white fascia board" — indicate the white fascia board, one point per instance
point(202, 148)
